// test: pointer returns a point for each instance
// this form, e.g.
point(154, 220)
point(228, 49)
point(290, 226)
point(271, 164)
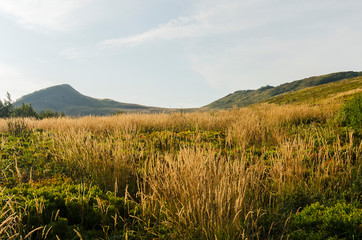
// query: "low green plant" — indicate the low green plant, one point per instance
point(25, 156)
point(317, 222)
point(62, 207)
point(351, 114)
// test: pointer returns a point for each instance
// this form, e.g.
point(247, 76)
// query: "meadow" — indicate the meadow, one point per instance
point(263, 172)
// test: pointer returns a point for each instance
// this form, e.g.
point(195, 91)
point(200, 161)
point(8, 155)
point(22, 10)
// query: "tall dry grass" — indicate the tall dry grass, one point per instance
point(219, 120)
point(200, 194)
point(12, 216)
point(203, 191)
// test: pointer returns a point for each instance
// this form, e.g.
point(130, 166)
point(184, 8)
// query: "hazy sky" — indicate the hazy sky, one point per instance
point(173, 53)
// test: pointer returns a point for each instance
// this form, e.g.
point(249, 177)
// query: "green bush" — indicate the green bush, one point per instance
point(25, 155)
point(49, 114)
point(61, 206)
point(351, 114)
point(341, 221)
point(6, 107)
point(25, 110)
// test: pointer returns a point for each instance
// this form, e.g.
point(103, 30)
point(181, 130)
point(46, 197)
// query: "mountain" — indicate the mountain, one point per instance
point(326, 93)
point(248, 97)
point(64, 98)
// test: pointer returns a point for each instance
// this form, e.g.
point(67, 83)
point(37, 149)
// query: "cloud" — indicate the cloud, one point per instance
point(241, 44)
point(17, 82)
point(183, 27)
point(217, 19)
point(42, 15)
point(205, 21)
point(177, 28)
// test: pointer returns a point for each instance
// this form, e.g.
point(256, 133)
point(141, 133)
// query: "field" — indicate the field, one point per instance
point(263, 172)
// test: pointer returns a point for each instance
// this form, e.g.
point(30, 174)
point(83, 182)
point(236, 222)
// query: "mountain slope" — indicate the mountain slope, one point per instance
point(335, 91)
point(248, 97)
point(64, 98)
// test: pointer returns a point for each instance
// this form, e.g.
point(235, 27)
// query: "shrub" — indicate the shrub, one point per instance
point(6, 107)
point(351, 114)
point(18, 127)
point(321, 222)
point(25, 110)
point(48, 114)
point(62, 207)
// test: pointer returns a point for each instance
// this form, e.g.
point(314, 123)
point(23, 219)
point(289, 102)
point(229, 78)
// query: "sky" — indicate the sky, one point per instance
point(173, 53)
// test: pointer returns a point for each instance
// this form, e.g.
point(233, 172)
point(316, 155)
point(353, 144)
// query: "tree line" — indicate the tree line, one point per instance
point(8, 110)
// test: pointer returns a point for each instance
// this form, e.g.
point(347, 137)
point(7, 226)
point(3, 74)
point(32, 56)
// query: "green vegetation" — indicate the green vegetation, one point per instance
point(249, 97)
point(321, 94)
point(264, 172)
point(6, 107)
point(64, 98)
point(66, 209)
point(351, 114)
point(319, 222)
point(290, 168)
point(7, 110)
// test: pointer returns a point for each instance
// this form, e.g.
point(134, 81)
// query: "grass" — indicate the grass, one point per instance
point(240, 174)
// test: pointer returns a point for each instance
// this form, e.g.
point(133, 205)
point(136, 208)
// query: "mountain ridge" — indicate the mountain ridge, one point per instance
point(64, 98)
point(243, 98)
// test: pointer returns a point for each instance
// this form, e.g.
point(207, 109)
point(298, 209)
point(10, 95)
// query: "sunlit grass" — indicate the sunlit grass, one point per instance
point(238, 174)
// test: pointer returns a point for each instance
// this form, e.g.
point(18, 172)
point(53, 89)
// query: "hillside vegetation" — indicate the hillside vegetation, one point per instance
point(249, 97)
point(332, 92)
point(8, 110)
point(290, 171)
point(64, 98)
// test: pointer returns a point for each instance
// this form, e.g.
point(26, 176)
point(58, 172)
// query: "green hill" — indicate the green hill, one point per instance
point(248, 97)
point(64, 98)
point(334, 91)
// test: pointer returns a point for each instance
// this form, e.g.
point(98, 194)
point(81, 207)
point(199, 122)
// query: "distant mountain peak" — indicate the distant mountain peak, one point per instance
point(64, 98)
point(65, 85)
point(61, 87)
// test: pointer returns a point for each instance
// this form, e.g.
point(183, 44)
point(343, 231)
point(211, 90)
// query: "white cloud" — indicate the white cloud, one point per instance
point(234, 44)
point(191, 26)
point(176, 28)
point(17, 82)
point(285, 44)
point(214, 19)
point(42, 15)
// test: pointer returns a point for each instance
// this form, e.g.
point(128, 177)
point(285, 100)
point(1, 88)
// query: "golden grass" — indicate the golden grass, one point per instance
point(203, 195)
point(198, 191)
point(177, 121)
